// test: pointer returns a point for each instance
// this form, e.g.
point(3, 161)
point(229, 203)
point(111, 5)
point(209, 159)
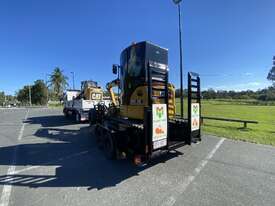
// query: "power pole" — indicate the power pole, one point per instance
point(30, 96)
point(73, 79)
point(47, 88)
point(177, 2)
point(181, 66)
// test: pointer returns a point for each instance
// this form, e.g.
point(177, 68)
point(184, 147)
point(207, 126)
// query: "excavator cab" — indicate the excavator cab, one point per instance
point(135, 62)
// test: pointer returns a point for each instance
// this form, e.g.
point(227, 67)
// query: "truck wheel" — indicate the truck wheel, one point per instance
point(96, 130)
point(65, 113)
point(109, 147)
point(98, 133)
point(77, 117)
point(92, 116)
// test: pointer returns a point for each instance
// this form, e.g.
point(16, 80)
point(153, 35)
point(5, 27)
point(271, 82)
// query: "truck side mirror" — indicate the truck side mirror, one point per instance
point(115, 68)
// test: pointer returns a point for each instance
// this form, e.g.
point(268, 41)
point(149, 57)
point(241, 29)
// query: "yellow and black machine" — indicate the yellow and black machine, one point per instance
point(143, 118)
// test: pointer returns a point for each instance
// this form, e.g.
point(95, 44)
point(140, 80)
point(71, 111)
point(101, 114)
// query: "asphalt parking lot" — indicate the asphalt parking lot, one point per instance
point(47, 160)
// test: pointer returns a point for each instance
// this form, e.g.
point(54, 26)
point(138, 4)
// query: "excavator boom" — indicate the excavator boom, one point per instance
point(109, 87)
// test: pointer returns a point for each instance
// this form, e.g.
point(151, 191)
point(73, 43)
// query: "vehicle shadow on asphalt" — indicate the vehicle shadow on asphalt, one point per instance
point(50, 121)
point(72, 156)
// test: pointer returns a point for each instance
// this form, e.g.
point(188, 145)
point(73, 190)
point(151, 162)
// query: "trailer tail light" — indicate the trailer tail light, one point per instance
point(137, 160)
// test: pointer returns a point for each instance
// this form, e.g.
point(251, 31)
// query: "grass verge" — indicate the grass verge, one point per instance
point(262, 133)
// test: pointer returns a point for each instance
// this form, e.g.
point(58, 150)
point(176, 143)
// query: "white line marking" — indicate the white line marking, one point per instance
point(7, 188)
point(181, 189)
point(51, 162)
point(5, 197)
point(23, 127)
point(170, 201)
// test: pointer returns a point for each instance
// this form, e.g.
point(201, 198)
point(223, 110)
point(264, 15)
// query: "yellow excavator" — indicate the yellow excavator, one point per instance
point(90, 91)
point(142, 119)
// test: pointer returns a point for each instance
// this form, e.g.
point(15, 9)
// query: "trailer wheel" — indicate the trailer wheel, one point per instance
point(109, 147)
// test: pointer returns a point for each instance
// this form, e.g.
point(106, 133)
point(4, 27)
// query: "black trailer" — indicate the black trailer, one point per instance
point(137, 139)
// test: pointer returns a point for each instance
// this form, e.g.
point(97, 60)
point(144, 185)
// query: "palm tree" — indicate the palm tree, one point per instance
point(58, 81)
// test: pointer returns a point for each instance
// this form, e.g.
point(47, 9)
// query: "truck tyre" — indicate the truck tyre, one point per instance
point(65, 113)
point(77, 117)
point(98, 133)
point(109, 147)
point(92, 116)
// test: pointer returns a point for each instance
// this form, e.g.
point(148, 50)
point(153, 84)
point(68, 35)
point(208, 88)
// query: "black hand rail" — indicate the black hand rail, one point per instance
point(231, 120)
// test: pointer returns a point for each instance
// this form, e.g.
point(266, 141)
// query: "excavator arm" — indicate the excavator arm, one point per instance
point(109, 87)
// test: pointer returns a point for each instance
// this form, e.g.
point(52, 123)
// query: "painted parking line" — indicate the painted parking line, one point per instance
point(172, 199)
point(51, 162)
point(5, 196)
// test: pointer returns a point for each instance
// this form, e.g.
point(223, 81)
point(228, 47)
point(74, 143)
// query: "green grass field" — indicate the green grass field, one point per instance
point(263, 133)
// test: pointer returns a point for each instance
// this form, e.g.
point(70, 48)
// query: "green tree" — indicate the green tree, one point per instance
point(58, 81)
point(2, 98)
point(23, 95)
point(209, 94)
point(271, 73)
point(10, 99)
point(39, 93)
point(177, 93)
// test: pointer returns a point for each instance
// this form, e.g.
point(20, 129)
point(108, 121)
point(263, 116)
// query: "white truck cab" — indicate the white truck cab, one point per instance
point(77, 103)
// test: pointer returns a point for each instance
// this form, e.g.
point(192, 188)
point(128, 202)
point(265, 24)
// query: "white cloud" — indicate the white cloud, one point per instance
point(253, 84)
point(248, 74)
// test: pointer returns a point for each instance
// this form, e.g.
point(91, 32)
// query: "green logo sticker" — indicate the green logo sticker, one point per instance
point(159, 112)
point(195, 109)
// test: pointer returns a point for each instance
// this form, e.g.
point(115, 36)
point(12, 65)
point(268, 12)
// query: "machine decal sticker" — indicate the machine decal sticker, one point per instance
point(195, 116)
point(159, 125)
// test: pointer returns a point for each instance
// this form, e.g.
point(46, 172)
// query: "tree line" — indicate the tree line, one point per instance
point(41, 91)
point(6, 99)
point(267, 94)
point(263, 95)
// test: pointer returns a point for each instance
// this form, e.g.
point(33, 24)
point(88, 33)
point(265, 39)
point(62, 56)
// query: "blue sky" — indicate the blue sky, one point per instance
point(230, 43)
